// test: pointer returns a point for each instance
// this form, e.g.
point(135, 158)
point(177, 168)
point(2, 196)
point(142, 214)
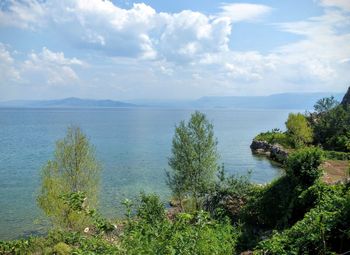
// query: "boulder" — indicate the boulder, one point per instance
point(274, 151)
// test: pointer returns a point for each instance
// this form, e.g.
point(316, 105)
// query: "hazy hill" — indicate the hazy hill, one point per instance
point(71, 102)
point(277, 101)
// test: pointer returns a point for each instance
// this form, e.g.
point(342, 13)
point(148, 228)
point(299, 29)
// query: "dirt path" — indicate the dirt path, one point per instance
point(335, 171)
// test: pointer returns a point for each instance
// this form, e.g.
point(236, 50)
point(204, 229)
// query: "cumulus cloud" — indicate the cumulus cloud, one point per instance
point(244, 11)
point(8, 71)
point(51, 67)
point(136, 32)
point(180, 49)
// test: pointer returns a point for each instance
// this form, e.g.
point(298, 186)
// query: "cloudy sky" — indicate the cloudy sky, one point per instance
point(158, 49)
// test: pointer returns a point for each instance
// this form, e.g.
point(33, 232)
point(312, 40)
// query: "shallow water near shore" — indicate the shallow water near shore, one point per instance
point(132, 144)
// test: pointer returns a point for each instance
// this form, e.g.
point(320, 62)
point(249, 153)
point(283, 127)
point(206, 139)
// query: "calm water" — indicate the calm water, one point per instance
point(132, 144)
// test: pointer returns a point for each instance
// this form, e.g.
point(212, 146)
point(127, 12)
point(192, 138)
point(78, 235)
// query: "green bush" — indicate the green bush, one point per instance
point(337, 155)
point(229, 196)
point(323, 230)
point(187, 234)
point(272, 206)
point(332, 129)
point(275, 136)
point(304, 165)
point(62, 249)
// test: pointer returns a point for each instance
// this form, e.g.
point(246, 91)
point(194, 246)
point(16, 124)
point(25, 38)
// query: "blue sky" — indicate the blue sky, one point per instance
point(172, 49)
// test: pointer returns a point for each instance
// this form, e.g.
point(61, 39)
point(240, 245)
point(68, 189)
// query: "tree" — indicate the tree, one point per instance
point(332, 129)
point(298, 130)
point(194, 159)
point(325, 104)
point(74, 169)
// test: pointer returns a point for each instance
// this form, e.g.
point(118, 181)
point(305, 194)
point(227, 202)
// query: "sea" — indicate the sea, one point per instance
point(133, 146)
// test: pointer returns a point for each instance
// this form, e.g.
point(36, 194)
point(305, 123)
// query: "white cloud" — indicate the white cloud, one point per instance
point(23, 14)
point(8, 71)
point(138, 32)
point(325, 45)
point(341, 4)
point(187, 50)
point(51, 67)
point(244, 11)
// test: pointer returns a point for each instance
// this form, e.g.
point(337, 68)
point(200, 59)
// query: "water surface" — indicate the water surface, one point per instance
point(132, 144)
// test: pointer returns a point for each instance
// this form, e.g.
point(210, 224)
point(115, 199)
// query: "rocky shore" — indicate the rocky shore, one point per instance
point(274, 151)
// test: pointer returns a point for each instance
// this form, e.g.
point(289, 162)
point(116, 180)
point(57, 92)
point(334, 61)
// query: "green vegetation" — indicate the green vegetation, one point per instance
point(332, 129)
point(298, 130)
point(275, 136)
point(73, 169)
point(295, 214)
point(193, 160)
point(303, 165)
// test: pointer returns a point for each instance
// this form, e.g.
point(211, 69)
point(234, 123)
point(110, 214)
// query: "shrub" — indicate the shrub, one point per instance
point(321, 231)
point(274, 136)
point(304, 165)
point(229, 196)
point(188, 234)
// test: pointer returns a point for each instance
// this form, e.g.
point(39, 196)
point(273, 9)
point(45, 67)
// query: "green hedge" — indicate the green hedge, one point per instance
point(337, 155)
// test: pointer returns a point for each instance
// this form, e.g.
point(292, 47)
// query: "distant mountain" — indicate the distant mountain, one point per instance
point(71, 102)
point(277, 101)
point(297, 101)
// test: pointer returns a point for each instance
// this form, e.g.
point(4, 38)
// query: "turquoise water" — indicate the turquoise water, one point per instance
point(132, 144)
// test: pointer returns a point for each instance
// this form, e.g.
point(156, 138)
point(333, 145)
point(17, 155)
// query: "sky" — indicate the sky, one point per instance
point(159, 49)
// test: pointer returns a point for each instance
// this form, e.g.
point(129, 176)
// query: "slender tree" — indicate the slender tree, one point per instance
point(194, 159)
point(73, 169)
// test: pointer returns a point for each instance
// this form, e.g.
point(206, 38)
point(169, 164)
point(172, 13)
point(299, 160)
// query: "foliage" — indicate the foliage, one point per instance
point(323, 230)
point(273, 205)
point(151, 210)
point(298, 130)
point(74, 169)
point(76, 202)
point(337, 155)
point(193, 160)
point(152, 233)
point(229, 196)
point(304, 165)
point(60, 242)
point(275, 136)
point(332, 129)
point(325, 104)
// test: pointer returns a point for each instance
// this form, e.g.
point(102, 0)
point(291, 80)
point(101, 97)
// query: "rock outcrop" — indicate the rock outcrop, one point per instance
point(346, 98)
point(273, 151)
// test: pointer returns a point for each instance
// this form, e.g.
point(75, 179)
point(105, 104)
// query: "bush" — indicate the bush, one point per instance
point(337, 155)
point(298, 130)
point(323, 230)
point(229, 196)
point(188, 234)
point(304, 165)
point(275, 136)
point(331, 129)
point(272, 206)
